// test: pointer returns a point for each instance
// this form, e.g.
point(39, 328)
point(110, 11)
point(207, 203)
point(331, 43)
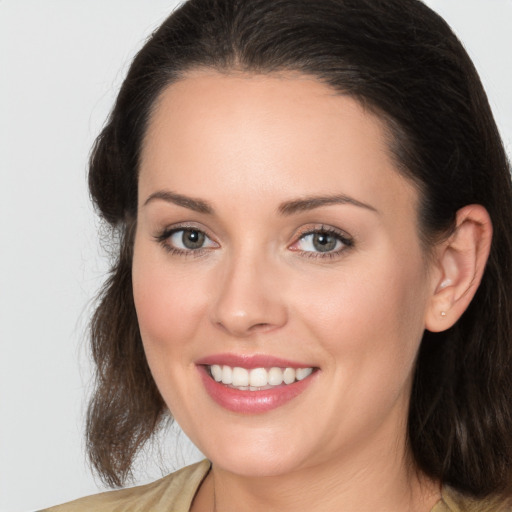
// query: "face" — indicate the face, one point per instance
point(276, 241)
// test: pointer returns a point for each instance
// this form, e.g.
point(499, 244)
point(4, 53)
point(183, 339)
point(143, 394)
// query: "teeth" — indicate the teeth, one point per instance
point(257, 378)
point(240, 377)
point(227, 375)
point(275, 376)
point(216, 372)
point(302, 373)
point(288, 375)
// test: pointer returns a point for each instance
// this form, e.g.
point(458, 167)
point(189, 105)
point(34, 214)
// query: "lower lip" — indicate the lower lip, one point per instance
point(252, 402)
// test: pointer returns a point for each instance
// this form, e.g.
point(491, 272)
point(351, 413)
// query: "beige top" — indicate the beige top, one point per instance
point(175, 492)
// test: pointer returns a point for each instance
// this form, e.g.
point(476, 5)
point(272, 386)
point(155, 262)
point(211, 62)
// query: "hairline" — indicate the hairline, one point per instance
point(391, 128)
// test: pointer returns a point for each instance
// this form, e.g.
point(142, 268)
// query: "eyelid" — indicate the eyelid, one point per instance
point(163, 236)
point(207, 241)
point(346, 240)
point(167, 232)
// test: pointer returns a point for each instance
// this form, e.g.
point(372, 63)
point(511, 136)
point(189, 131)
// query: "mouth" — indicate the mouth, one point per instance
point(257, 379)
point(254, 384)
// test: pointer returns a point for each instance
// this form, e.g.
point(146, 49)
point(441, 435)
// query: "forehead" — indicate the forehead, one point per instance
point(271, 135)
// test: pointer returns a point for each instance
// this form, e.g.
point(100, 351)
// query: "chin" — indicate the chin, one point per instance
point(261, 454)
point(254, 465)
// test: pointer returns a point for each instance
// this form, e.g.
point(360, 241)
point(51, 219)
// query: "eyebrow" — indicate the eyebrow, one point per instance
point(198, 205)
point(310, 203)
point(286, 208)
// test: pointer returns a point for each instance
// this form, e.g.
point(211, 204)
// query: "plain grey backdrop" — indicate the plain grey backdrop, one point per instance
point(61, 64)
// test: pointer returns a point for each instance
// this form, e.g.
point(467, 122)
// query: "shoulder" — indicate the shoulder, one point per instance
point(177, 490)
point(453, 501)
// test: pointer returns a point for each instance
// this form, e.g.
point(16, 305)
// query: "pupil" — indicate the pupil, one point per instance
point(323, 242)
point(192, 239)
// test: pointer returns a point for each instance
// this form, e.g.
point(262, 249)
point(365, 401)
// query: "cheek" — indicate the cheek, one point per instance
point(168, 304)
point(169, 309)
point(371, 328)
point(371, 318)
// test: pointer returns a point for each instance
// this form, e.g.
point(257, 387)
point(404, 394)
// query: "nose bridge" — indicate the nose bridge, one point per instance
point(248, 298)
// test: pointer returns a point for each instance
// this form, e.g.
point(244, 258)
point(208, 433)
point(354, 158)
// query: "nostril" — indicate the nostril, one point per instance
point(243, 308)
point(259, 327)
point(246, 330)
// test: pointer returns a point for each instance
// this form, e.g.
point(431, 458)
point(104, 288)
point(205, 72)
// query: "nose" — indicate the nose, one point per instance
point(249, 298)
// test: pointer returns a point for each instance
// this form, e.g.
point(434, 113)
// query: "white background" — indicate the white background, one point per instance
point(61, 63)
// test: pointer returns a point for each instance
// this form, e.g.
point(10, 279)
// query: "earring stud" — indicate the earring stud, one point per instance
point(443, 313)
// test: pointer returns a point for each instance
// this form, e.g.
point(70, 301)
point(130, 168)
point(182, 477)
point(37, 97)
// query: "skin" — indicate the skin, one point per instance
point(245, 145)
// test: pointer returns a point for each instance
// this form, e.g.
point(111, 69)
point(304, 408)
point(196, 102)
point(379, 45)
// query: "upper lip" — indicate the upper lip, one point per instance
point(250, 361)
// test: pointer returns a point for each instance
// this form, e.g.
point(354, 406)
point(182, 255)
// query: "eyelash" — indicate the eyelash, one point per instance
point(347, 242)
point(164, 240)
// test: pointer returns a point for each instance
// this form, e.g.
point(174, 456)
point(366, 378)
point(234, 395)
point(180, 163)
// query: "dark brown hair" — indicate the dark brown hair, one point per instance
point(403, 62)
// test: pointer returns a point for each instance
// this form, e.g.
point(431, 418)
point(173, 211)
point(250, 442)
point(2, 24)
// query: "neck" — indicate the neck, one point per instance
point(379, 481)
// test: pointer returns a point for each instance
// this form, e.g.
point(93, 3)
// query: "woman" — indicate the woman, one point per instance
point(313, 205)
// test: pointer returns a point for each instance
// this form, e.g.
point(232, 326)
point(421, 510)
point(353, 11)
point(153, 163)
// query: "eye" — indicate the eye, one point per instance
point(185, 240)
point(322, 241)
point(188, 239)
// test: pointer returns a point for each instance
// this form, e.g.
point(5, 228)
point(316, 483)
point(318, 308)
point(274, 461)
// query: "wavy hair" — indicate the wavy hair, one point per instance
point(403, 62)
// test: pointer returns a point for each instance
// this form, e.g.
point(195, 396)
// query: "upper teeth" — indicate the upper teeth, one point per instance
point(257, 378)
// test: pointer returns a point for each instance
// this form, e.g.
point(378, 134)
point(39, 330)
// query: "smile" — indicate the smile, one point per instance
point(257, 379)
point(254, 384)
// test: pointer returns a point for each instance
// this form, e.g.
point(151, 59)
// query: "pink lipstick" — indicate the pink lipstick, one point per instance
point(253, 384)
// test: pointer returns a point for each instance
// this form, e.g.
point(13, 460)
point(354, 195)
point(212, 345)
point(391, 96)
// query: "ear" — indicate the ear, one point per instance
point(458, 267)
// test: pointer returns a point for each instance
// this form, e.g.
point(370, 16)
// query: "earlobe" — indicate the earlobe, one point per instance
point(459, 266)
